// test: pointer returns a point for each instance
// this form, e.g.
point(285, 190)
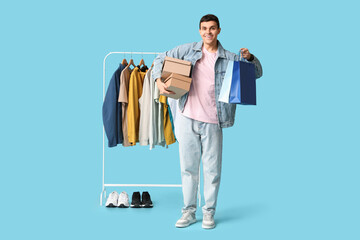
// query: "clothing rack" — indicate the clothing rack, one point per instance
point(104, 185)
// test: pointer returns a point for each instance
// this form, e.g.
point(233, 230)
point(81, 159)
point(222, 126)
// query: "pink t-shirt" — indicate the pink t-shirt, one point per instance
point(201, 104)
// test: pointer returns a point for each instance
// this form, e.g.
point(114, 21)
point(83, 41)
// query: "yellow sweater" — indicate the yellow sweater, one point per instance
point(133, 111)
point(168, 132)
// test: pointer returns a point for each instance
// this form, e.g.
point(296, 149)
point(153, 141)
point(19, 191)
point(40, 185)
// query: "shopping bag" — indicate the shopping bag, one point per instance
point(243, 87)
point(226, 84)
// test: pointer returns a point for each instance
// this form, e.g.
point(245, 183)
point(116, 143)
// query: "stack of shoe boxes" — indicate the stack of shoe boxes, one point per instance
point(176, 76)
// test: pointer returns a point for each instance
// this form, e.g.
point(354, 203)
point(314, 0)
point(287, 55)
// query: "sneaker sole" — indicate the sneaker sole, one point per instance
point(111, 205)
point(147, 206)
point(208, 226)
point(185, 225)
point(123, 206)
point(135, 206)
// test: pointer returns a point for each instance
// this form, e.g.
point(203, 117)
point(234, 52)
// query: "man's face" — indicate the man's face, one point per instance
point(209, 31)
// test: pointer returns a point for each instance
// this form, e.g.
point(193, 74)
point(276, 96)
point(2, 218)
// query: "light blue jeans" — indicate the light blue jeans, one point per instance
point(199, 140)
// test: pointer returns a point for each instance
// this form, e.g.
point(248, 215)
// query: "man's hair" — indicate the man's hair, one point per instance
point(208, 18)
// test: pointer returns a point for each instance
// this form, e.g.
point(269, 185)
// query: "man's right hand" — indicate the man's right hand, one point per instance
point(162, 87)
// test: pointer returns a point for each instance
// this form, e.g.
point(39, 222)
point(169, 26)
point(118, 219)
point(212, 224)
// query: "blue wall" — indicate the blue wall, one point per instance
point(290, 168)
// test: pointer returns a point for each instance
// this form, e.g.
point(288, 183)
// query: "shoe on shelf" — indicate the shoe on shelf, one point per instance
point(135, 200)
point(112, 200)
point(146, 200)
point(186, 220)
point(123, 201)
point(208, 221)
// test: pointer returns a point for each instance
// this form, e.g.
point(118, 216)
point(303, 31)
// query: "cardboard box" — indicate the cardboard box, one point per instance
point(174, 65)
point(178, 84)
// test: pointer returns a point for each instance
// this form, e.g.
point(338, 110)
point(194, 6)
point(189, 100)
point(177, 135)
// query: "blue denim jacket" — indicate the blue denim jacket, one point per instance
point(112, 110)
point(192, 52)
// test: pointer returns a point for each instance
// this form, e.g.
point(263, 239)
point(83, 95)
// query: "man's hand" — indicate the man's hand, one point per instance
point(162, 87)
point(245, 53)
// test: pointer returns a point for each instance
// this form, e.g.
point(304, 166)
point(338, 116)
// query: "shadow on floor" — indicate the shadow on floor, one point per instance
point(239, 213)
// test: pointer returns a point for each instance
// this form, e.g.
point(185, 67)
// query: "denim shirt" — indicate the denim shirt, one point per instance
point(192, 52)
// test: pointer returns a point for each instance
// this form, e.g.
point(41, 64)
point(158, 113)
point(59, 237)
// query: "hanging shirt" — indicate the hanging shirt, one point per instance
point(201, 103)
point(156, 130)
point(123, 99)
point(174, 110)
point(145, 108)
point(133, 112)
point(168, 132)
point(112, 111)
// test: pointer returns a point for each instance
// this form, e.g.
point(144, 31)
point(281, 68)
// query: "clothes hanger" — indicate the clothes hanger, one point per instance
point(131, 62)
point(124, 62)
point(142, 62)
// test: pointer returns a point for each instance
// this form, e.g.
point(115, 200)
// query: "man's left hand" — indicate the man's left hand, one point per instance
point(245, 53)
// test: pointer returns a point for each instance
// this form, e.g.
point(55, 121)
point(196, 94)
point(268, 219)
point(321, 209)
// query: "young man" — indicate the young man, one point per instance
point(199, 126)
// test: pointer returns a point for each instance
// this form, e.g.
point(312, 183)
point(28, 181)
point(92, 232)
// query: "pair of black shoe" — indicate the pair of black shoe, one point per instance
point(145, 202)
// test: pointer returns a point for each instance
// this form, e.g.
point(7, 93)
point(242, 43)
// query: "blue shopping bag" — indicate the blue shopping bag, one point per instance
point(243, 86)
point(226, 84)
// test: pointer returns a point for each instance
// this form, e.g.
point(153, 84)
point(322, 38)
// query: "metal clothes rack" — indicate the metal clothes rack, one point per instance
point(104, 185)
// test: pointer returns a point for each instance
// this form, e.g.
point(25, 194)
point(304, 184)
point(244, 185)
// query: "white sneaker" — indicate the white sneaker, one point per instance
point(112, 200)
point(186, 219)
point(208, 221)
point(123, 201)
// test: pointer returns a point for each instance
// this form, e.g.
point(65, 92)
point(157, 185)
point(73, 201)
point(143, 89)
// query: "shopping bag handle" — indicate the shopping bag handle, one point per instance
point(240, 56)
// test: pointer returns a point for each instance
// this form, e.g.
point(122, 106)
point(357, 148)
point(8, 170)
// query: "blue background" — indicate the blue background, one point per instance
point(290, 164)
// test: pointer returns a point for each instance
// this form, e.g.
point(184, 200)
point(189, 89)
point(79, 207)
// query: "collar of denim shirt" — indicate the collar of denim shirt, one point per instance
point(220, 50)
